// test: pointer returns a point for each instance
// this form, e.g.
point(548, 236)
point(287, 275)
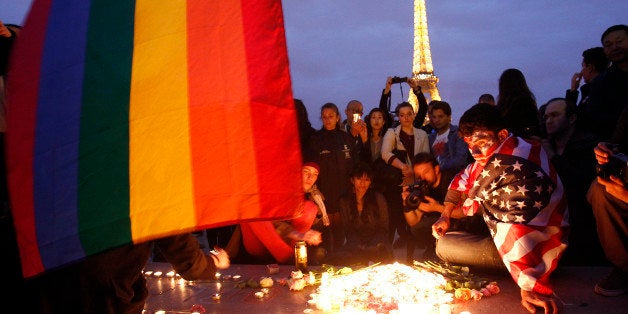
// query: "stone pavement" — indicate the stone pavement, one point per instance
point(572, 285)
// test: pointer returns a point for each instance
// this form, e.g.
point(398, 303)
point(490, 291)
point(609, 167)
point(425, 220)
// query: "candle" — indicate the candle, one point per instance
point(216, 296)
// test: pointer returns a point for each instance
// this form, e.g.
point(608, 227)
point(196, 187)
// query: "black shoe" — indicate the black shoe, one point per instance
point(614, 284)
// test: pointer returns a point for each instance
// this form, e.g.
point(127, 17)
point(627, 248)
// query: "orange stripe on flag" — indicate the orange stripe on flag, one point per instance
point(220, 115)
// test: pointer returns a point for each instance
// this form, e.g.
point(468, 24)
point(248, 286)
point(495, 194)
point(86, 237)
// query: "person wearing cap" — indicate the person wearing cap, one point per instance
point(273, 241)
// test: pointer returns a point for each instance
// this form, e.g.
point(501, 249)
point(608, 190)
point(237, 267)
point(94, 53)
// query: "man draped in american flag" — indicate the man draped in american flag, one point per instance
point(512, 184)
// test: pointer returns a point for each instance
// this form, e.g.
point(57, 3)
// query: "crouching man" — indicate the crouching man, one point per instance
point(521, 200)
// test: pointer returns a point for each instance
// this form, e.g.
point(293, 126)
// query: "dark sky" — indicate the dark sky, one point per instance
point(341, 50)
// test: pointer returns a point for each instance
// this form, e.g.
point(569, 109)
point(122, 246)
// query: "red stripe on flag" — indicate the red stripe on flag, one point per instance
point(276, 144)
point(22, 98)
point(206, 117)
point(535, 153)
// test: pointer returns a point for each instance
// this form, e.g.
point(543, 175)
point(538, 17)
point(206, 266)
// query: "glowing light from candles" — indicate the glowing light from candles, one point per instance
point(170, 274)
point(385, 287)
point(157, 274)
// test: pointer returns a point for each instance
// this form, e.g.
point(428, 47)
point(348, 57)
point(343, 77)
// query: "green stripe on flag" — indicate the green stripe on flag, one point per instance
point(103, 184)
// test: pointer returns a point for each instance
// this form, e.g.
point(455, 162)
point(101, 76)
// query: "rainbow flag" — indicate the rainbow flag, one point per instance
point(133, 120)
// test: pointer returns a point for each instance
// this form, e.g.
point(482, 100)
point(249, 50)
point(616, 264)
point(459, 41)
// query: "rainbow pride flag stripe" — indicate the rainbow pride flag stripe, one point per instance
point(133, 120)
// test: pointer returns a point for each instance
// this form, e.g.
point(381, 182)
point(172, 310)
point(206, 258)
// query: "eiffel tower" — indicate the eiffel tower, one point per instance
point(422, 69)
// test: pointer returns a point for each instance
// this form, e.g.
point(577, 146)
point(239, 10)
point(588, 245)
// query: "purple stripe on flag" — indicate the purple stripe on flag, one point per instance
point(57, 132)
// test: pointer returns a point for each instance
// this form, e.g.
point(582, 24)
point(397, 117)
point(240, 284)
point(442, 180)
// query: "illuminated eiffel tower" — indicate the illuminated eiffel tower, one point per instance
point(422, 69)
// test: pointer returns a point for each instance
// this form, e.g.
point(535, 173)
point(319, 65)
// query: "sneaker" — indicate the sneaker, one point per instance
point(614, 284)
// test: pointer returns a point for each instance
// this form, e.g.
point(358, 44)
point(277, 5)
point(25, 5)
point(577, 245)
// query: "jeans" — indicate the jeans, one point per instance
point(463, 248)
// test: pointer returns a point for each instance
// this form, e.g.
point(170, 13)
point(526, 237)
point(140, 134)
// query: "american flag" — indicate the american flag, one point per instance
point(523, 204)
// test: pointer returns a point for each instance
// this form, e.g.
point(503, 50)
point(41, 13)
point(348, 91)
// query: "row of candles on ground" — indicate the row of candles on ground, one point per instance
point(173, 274)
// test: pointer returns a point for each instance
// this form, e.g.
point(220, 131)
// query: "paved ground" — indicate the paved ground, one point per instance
point(573, 285)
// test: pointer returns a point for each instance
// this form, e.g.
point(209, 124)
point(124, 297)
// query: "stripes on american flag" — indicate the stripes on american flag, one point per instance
point(522, 200)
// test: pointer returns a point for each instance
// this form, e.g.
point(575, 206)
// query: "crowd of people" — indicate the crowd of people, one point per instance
point(515, 186)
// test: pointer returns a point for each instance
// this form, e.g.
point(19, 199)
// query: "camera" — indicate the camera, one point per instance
point(397, 79)
point(418, 190)
point(617, 165)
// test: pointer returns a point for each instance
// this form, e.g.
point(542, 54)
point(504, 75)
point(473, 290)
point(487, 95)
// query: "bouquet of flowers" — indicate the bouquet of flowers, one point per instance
point(464, 285)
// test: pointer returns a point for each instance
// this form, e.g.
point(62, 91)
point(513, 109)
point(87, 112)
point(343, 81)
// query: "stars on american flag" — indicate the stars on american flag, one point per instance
point(517, 166)
point(512, 189)
point(522, 189)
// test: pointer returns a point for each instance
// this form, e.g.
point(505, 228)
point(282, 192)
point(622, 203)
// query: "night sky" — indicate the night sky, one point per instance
point(343, 50)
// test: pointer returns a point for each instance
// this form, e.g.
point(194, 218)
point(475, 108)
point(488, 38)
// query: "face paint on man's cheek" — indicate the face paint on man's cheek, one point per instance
point(482, 153)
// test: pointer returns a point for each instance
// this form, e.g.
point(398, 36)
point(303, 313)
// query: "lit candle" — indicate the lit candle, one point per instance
point(216, 296)
point(157, 274)
point(311, 279)
point(170, 274)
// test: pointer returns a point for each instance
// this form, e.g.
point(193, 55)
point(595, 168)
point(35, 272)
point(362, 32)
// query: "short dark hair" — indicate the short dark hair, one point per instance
point(362, 168)
point(403, 104)
point(481, 116)
point(486, 97)
point(424, 158)
point(618, 27)
point(439, 104)
point(596, 57)
point(570, 107)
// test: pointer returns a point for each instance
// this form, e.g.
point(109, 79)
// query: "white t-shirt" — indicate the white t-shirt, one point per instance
point(438, 147)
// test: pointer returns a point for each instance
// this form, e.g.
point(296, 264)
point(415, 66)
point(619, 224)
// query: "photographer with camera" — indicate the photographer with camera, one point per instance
point(608, 196)
point(399, 146)
point(385, 100)
point(423, 203)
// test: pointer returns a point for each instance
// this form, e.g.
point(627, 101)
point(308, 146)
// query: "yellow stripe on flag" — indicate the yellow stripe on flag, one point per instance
point(160, 170)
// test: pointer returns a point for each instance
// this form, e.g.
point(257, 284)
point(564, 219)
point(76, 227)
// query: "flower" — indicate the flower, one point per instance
point(493, 288)
point(485, 292)
point(476, 295)
point(266, 282)
point(296, 274)
point(297, 284)
point(463, 294)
